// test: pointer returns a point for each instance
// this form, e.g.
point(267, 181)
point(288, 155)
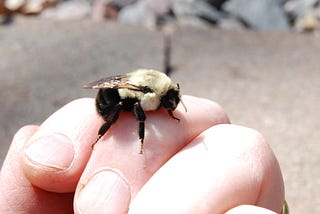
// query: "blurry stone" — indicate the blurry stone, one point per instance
point(14, 5)
point(33, 6)
point(166, 19)
point(6, 19)
point(108, 9)
point(304, 13)
point(216, 3)
point(266, 15)
point(138, 13)
point(111, 12)
point(120, 3)
point(159, 7)
point(5, 14)
point(196, 8)
point(298, 8)
point(3, 9)
point(28, 6)
point(231, 24)
point(68, 10)
point(98, 10)
point(193, 21)
point(103, 10)
point(308, 22)
point(316, 11)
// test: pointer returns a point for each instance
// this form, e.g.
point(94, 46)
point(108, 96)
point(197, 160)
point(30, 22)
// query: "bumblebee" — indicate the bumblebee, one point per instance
point(139, 91)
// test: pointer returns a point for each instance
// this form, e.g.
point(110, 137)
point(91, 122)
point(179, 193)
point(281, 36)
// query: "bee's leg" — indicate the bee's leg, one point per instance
point(172, 116)
point(141, 117)
point(110, 119)
point(103, 129)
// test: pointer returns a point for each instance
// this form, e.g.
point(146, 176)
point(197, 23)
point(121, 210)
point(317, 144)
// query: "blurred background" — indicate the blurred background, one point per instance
point(258, 59)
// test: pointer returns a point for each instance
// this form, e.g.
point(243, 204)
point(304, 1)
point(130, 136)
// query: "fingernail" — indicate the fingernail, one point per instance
point(54, 151)
point(106, 192)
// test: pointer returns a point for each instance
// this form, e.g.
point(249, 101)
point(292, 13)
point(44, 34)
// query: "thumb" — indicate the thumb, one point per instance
point(20, 195)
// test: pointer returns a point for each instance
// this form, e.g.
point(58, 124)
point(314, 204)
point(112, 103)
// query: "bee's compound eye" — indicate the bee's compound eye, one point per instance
point(171, 99)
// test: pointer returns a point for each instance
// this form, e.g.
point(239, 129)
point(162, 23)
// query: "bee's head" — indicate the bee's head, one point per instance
point(172, 98)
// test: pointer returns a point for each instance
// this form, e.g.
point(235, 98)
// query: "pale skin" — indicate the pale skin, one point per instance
point(201, 165)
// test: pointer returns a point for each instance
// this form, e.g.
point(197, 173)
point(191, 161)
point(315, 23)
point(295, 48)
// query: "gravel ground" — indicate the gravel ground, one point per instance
point(267, 81)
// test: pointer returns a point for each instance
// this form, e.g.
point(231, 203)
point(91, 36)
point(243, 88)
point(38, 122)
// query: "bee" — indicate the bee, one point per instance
point(138, 91)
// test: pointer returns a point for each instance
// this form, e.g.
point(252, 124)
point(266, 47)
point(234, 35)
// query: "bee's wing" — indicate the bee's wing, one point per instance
point(108, 82)
point(116, 82)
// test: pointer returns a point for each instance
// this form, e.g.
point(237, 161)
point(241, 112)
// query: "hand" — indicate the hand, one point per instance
point(200, 165)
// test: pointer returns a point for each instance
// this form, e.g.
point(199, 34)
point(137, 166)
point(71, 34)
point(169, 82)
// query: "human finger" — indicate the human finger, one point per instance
point(17, 194)
point(249, 209)
point(224, 167)
point(116, 157)
point(57, 153)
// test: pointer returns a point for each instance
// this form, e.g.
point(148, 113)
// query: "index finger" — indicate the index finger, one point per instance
point(119, 148)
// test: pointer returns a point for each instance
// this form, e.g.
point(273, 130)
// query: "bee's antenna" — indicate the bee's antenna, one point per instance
point(184, 106)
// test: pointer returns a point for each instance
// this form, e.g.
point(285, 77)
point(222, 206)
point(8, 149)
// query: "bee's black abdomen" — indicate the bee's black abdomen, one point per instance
point(108, 107)
point(128, 103)
point(106, 101)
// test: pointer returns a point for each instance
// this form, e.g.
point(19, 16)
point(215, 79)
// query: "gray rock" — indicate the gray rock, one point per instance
point(307, 23)
point(316, 11)
point(231, 24)
point(68, 10)
point(14, 5)
point(120, 3)
point(264, 15)
point(193, 21)
point(138, 13)
point(160, 7)
point(298, 8)
point(102, 10)
point(197, 8)
point(216, 3)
